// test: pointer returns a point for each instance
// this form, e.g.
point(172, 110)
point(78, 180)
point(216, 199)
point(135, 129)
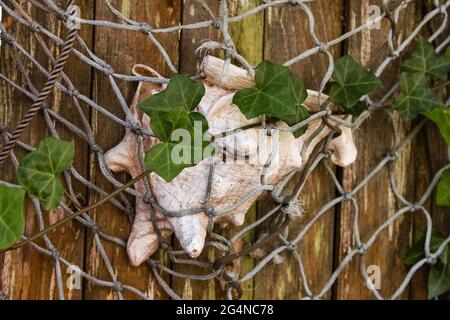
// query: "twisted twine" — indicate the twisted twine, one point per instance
point(44, 94)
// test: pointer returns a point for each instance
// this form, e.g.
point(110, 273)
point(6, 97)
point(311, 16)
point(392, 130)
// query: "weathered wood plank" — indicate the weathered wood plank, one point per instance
point(122, 49)
point(248, 38)
point(191, 39)
point(376, 201)
point(27, 274)
point(286, 35)
point(431, 154)
point(189, 64)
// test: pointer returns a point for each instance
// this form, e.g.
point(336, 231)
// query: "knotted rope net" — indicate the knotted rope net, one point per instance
point(278, 219)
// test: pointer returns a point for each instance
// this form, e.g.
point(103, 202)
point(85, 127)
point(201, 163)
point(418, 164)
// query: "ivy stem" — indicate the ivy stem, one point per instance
point(78, 213)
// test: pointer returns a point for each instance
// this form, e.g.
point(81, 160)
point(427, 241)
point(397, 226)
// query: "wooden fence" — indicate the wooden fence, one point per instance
point(275, 34)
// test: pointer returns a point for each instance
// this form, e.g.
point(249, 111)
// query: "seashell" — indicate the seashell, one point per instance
point(343, 148)
point(237, 169)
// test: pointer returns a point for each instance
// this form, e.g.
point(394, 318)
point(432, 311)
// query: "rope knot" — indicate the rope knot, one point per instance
point(293, 209)
point(415, 207)
point(209, 210)
point(291, 246)
point(327, 152)
point(136, 129)
point(362, 250)
point(95, 148)
point(347, 196)
point(73, 93)
point(393, 155)
point(36, 28)
point(118, 286)
point(216, 23)
point(95, 228)
point(431, 260)
point(394, 55)
point(45, 105)
point(323, 47)
point(147, 198)
point(294, 2)
point(228, 44)
point(55, 253)
point(108, 69)
point(146, 28)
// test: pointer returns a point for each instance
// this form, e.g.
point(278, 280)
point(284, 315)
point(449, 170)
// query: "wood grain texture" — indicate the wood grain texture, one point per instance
point(248, 38)
point(189, 64)
point(122, 49)
point(27, 274)
point(431, 154)
point(376, 201)
point(192, 39)
point(283, 40)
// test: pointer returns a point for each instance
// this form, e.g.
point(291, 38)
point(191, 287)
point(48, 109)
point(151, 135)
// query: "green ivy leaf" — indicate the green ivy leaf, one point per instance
point(352, 82)
point(359, 108)
point(170, 110)
point(39, 170)
point(159, 160)
point(11, 215)
point(168, 159)
point(425, 60)
point(417, 251)
point(438, 280)
point(291, 120)
point(441, 117)
point(417, 96)
point(279, 93)
point(443, 190)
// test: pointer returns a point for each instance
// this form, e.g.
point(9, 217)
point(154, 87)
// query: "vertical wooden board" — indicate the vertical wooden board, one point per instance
point(376, 201)
point(248, 38)
point(431, 154)
point(27, 274)
point(69, 239)
point(122, 49)
point(191, 39)
point(189, 63)
point(286, 35)
point(248, 34)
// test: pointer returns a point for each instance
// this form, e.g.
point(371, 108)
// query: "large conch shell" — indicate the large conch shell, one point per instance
point(231, 181)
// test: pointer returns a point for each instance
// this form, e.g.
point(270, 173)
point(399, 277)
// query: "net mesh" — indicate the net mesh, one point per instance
point(278, 219)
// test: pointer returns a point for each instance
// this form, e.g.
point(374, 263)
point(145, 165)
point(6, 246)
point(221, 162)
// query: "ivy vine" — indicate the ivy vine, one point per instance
point(38, 174)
